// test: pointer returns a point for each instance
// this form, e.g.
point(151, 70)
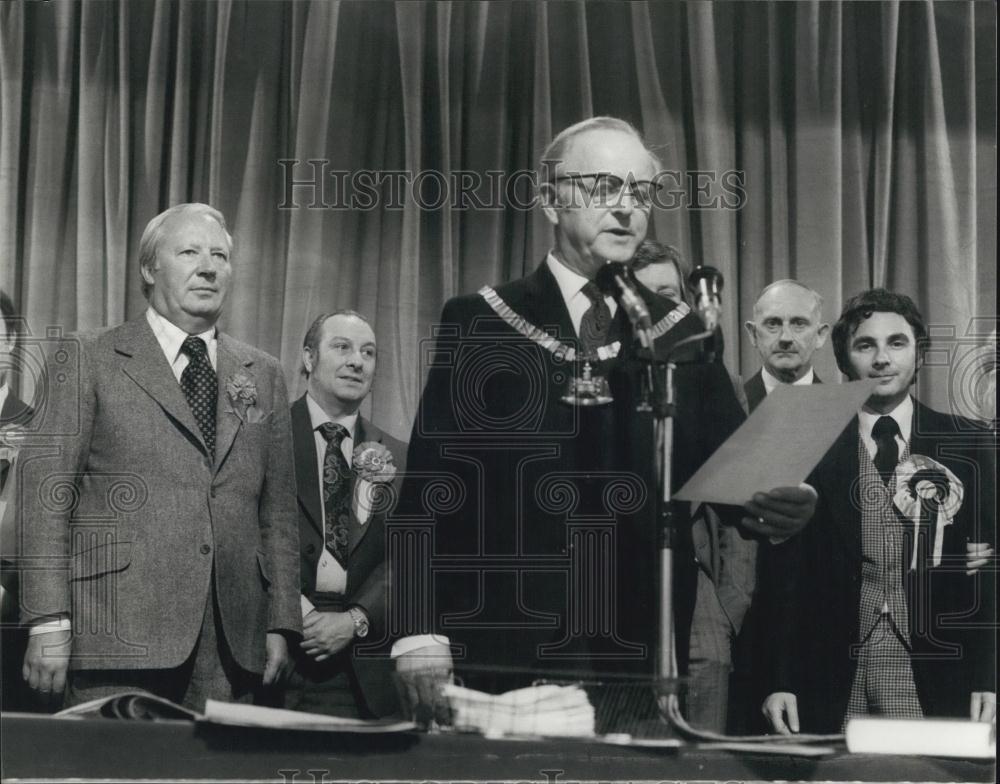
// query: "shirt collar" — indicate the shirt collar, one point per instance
point(317, 416)
point(570, 282)
point(903, 414)
point(771, 382)
point(171, 337)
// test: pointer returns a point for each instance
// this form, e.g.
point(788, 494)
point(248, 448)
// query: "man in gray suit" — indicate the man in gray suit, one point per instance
point(787, 328)
point(161, 550)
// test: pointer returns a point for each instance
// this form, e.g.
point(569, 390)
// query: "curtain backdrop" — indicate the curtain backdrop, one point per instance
point(865, 134)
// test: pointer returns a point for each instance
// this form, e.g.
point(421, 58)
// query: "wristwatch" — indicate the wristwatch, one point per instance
point(360, 622)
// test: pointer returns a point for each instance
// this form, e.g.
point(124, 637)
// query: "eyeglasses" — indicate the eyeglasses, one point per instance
point(606, 189)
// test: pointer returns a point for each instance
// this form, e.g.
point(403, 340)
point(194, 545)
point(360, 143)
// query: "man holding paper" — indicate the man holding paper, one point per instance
point(542, 528)
point(882, 607)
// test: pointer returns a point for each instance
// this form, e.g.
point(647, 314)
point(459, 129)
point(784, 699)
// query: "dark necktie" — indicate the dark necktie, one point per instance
point(337, 486)
point(596, 319)
point(201, 389)
point(884, 432)
point(4, 469)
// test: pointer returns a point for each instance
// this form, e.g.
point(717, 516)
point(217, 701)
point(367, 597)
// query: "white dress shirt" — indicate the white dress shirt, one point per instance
point(171, 337)
point(772, 382)
point(903, 414)
point(571, 287)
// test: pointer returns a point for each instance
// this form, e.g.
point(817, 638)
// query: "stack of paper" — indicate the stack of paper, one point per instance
point(549, 710)
point(932, 737)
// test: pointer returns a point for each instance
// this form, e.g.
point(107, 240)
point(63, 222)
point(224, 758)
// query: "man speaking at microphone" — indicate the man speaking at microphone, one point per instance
point(544, 550)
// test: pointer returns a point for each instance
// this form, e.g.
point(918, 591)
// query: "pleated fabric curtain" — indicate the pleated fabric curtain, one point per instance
point(863, 136)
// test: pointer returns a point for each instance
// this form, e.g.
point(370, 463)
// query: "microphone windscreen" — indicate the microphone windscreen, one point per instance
point(605, 279)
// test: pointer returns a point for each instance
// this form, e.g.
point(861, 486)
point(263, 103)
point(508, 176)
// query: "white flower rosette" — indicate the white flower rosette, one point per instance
point(928, 493)
point(373, 465)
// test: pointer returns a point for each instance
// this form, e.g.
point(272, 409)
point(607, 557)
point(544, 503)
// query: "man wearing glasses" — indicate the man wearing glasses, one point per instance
point(544, 556)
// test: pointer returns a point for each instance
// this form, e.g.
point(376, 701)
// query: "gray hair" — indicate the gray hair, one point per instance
point(152, 235)
point(817, 298)
point(555, 152)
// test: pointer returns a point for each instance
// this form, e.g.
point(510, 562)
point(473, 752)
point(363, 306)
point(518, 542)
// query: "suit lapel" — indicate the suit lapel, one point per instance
point(227, 422)
point(543, 304)
point(843, 491)
point(754, 390)
point(146, 365)
point(307, 478)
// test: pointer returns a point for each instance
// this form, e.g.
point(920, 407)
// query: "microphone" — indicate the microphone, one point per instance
point(615, 279)
point(707, 283)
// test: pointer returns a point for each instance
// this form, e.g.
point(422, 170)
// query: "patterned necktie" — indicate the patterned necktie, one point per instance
point(596, 319)
point(337, 487)
point(201, 389)
point(884, 433)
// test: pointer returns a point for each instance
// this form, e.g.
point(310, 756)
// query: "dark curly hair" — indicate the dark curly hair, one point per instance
point(860, 308)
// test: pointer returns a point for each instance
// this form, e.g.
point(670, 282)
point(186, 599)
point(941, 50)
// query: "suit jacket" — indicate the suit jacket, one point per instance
point(532, 493)
point(131, 520)
point(755, 391)
point(367, 579)
point(815, 620)
point(14, 412)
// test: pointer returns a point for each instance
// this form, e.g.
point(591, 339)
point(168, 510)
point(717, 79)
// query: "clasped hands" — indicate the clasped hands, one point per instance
point(326, 633)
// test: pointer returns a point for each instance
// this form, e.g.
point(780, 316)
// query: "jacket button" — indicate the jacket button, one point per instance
point(206, 549)
point(310, 549)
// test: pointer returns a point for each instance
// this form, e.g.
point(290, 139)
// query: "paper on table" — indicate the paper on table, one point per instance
point(781, 442)
point(238, 714)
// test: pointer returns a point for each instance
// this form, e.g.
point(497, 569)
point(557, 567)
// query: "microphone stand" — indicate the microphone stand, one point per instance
point(660, 385)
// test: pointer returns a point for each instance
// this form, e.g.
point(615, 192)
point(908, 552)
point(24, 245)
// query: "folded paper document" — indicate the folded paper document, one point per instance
point(781, 442)
point(548, 710)
point(139, 705)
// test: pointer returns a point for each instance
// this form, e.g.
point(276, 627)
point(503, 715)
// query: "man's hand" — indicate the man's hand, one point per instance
point(983, 706)
point(277, 663)
point(977, 555)
point(781, 513)
point(325, 633)
point(46, 661)
point(420, 674)
point(777, 707)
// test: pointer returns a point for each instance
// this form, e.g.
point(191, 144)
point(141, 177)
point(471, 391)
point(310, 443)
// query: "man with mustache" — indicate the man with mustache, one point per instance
point(161, 548)
point(881, 604)
point(544, 548)
point(787, 328)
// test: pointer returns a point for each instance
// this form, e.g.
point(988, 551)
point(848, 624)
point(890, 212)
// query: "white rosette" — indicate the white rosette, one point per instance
point(927, 491)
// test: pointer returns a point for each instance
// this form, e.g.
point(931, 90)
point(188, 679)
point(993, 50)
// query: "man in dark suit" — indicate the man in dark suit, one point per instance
point(541, 541)
point(787, 328)
point(346, 471)
point(15, 415)
point(162, 549)
point(878, 611)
